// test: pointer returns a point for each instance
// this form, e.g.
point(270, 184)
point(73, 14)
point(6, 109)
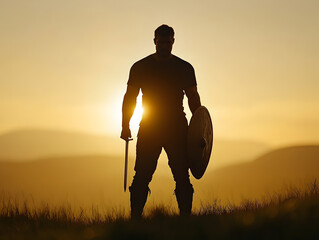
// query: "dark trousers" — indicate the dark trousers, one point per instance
point(173, 138)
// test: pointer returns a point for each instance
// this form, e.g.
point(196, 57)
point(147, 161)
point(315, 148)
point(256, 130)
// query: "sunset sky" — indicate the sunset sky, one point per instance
point(65, 64)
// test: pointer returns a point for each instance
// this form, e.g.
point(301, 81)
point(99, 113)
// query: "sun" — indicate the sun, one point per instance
point(138, 113)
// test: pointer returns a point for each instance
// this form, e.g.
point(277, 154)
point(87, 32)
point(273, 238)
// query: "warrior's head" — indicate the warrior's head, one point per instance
point(164, 40)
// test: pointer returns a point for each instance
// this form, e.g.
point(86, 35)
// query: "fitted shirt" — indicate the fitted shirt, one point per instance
point(163, 84)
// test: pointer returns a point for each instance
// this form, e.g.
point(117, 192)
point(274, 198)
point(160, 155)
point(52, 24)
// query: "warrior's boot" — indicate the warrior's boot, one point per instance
point(184, 197)
point(138, 200)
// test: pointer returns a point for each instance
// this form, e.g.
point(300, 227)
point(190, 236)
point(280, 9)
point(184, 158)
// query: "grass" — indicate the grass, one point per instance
point(291, 214)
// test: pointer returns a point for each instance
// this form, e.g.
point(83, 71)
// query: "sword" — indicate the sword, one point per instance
point(126, 162)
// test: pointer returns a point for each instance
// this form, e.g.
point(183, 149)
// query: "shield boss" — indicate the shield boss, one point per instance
point(199, 141)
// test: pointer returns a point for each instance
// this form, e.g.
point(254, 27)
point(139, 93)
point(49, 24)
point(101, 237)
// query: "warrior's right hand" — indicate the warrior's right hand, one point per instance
point(126, 134)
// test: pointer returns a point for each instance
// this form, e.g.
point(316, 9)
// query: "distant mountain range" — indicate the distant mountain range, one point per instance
point(31, 144)
point(99, 179)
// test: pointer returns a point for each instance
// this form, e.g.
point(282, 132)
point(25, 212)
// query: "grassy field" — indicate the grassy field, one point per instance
point(291, 214)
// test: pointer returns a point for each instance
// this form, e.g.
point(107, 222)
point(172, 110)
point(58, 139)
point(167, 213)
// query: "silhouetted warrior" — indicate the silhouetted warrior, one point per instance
point(163, 79)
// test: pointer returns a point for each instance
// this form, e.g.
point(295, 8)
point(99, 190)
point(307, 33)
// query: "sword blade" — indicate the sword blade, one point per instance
point(126, 165)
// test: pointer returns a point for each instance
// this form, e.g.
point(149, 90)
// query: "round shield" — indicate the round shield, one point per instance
point(199, 141)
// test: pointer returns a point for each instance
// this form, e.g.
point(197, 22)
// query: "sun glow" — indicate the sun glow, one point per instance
point(138, 113)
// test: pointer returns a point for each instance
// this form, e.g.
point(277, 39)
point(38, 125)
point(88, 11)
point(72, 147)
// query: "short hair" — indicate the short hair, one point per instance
point(164, 30)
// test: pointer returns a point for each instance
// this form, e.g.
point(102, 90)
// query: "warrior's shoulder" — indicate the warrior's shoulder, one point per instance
point(142, 62)
point(183, 63)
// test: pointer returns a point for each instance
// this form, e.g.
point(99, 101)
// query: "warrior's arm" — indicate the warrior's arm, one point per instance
point(129, 103)
point(193, 98)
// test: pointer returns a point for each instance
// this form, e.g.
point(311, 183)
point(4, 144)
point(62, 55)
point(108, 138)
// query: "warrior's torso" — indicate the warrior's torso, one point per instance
point(162, 84)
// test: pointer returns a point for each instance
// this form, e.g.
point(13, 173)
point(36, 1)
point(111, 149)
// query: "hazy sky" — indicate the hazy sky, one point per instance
point(65, 64)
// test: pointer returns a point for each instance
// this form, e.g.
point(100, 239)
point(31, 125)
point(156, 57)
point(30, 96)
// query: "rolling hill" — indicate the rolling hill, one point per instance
point(295, 165)
point(87, 180)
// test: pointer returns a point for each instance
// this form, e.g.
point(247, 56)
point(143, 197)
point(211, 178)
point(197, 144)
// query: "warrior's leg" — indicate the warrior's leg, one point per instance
point(175, 147)
point(184, 189)
point(147, 153)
